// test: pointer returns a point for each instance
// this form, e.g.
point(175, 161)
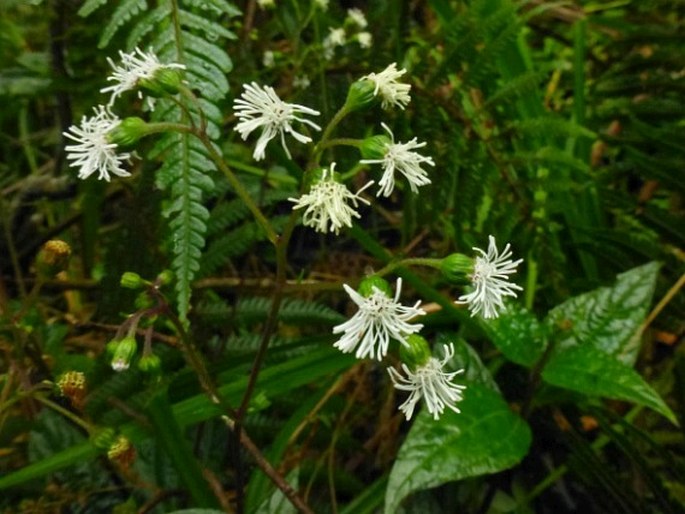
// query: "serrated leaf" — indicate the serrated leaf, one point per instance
point(486, 437)
point(518, 335)
point(591, 371)
point(607, 318)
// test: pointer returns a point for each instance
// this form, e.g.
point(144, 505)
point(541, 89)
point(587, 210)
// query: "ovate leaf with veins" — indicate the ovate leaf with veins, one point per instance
point(486, 437)
point(590, 371)
point(608, 318)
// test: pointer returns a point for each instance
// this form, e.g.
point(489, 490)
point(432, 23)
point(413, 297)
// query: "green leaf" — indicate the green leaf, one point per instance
point(278, 503)
point(467, 358)
point(486, 437)
point(169, 436)
point(608, 318)
point(591, 371)
point(518, 335)
point(197, 511)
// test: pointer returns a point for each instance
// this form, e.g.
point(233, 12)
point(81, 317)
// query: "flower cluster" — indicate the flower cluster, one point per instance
point(98, 137)
point(353, 29)
point(381, 318)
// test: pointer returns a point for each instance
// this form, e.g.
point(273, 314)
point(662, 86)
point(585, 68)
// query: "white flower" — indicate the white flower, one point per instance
point(431, 383)
point(260, 107)
point(322, 4)
point(94, 152)
point(268, 59)
point(336, 37)
point(379, 318)
point(357, 17)
point(301, 82)
point(490, 279)
point(327, 204)
point(134, 66)
point(266, 4)
point(391, 91)
point(400, 157)
point(364, 39)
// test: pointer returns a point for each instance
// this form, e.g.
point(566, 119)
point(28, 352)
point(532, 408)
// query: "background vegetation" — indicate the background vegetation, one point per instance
point(556, 126)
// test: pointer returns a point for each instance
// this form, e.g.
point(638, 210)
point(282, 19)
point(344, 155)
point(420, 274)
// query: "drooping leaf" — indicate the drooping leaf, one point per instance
point(486, 437)
point(589, 370)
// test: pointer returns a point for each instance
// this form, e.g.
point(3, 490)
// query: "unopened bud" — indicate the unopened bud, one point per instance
point(124, 352)
point(131, 280)
point(165, 277)
point(375, 147)
point(416, 353)
point(456, 268)
point(128, 131)
point(150, 363)
point(366, 286)
point(360, 95)
point(166, 81)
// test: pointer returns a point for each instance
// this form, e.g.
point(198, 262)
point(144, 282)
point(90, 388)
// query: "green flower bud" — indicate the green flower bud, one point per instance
point(360, 95)
point(457, 268)
point(103, 438)
point(366, 286)
point(128, 132)
point(124, 352)
point(150, 363)
point(131, 280)
point(166, 81)
point(166, 277)
point(316, 176)
point(417, 353)
point(375, 147)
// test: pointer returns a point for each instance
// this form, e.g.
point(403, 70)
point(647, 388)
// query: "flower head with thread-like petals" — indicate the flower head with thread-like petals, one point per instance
point(392, 93)
point(260, 107)
point(94, 152)
point(431, 383)
point(134, 67)
point(401, 157)
point(378, 319)
point(326, 204)
point(490, 279)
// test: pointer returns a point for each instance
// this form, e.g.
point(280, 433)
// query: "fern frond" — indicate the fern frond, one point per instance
point(186, 170)
point(548, 125)
point(211, 29)
point(254, 310)
point(234, 243)
point(90, 6)
point(124, 13)
point(218, 6)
